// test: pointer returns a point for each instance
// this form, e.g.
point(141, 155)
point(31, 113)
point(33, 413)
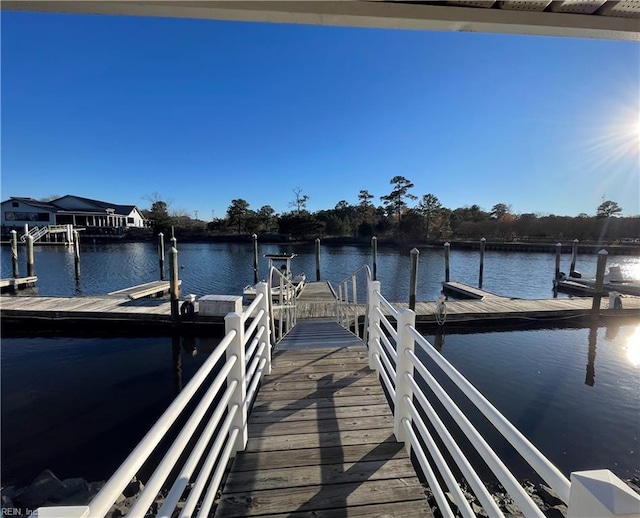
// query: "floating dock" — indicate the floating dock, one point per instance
point(316, 301)
point(19, 283)
point(459, 289)
point(321, 437)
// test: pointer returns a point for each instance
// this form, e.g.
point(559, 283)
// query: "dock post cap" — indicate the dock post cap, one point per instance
point(254, 235)
point(558, 244)
point(447, 243)
point(603, 252)
point(13, 232)
point(576, 240)
point(483, 239)
point(317, 239)
point(415, 251)
point(374, 238)
point(160, 234)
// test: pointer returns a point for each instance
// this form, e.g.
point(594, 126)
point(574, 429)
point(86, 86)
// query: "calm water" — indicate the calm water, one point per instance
point(78, 406)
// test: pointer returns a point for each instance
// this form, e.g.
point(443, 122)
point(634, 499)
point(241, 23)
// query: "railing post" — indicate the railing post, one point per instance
point(233, 322)
point(404, 367)
point(254, 237)
point(374, 244)
point(374, 318)
point(597, 296)
point(30, 257)
point(447, 252)
point(14, 253)
point(600, 493)
point(161, 254)
point(483, 243)
point(574, 256)
point(174, 288)
point(317, 259)
point(558, 252)
point(356, 324)
point(413, 282)
point(262, 287)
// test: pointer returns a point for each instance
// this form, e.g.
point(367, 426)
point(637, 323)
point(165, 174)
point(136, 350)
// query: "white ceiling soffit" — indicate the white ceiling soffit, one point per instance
point(576, 18)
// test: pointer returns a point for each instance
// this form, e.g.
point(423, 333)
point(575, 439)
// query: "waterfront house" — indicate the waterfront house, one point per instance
point(92, 215)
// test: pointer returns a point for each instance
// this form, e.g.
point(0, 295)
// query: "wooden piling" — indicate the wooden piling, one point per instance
point(317, 259)
point(374, 244)
point(30, 257)
point(174, 286)
point(14, 253)
point(483, 243)
point(600, 268)
point(413, 282)
point(76, 253)
point(255, 258)
point(574, 256)
point(558, 253)
point(161, 255)
point(447, 251)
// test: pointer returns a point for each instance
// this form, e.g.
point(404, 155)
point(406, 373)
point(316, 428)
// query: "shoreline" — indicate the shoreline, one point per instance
point(586, 247)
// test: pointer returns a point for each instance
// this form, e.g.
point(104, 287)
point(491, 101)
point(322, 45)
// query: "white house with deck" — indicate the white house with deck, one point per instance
point(92, 215)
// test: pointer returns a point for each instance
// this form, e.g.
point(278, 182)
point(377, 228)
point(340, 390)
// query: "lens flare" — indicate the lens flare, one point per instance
point(632, 348)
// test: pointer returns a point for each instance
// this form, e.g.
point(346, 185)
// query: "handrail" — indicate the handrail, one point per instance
point(229, 395)
point(347, 305)
point(405, 376)
point(286, 298)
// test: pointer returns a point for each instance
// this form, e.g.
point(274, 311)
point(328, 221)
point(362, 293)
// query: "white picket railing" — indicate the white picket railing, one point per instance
point(349, 309)
point(246, 349)
point(283, 301)
point(588, 494)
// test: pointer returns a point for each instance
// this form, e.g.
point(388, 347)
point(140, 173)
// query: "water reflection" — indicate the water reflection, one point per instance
point(632, 348)
point(590, 378)
point(178, 344)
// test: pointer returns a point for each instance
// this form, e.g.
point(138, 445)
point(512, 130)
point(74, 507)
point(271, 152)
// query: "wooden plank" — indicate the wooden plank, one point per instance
point(326, 425)
point(317, 440)
point(312, 414)
point(409, 509)
point(326, 382)
point(342, 473)
point(314, 393)
point(376, 399)
point(251, 461)
point(313, 498)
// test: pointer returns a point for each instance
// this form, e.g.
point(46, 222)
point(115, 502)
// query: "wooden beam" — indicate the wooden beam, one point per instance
point(388, 15)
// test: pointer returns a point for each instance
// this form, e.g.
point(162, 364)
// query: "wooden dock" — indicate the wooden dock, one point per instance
point(321, 438)
point(18, 283)
point(317, 300)
point(149, 289)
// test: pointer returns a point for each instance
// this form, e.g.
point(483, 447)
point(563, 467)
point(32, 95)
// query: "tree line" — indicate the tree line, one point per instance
point(401, 216)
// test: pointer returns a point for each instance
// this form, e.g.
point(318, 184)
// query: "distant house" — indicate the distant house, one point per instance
point(69, 210)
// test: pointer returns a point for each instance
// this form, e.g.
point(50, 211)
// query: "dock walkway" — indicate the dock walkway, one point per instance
point(321, 437)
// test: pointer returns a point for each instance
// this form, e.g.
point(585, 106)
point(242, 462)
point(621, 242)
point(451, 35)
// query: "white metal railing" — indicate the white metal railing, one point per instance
point(349, 310)
point(245, 354)
point(282, 304)
point(36, 233)
point(588, 494)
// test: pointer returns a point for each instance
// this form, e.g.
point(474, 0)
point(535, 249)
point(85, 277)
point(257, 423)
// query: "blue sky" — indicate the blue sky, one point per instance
point(202, 112)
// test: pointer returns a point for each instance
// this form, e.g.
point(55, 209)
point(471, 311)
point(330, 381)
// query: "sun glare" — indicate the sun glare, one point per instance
point(632, 348)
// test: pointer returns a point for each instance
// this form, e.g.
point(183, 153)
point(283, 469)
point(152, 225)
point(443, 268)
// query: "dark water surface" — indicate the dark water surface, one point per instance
point(78, 405)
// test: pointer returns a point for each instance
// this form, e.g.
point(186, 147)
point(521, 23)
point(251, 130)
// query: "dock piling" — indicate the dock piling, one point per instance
point(597, 296)
point(161, 254)
point(574, 256)
point(317, 259)
point(374, 244)
point(76, 253)
point(14, 253)
point(558, 253)
point(254, 237)
point(447, 252)
point(174, 286)
point(413, 282)
point(30, 257)
point(483, 243)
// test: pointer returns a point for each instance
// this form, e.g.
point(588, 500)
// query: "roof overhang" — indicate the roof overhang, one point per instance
point(574, 18)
